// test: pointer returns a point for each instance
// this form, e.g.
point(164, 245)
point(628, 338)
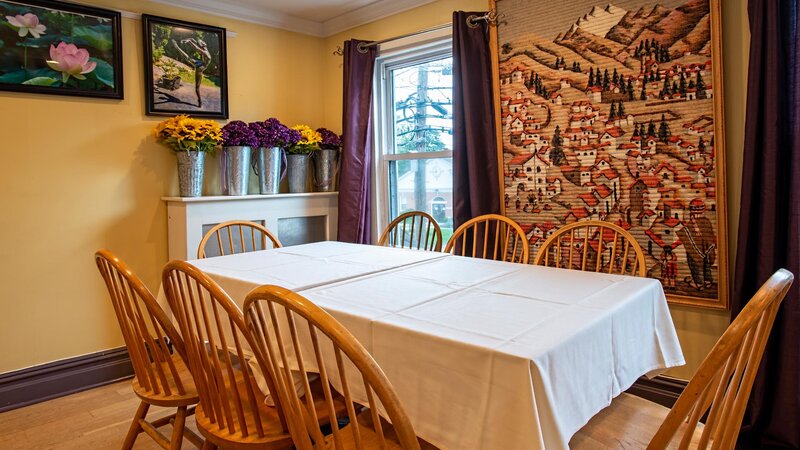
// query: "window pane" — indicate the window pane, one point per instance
point(423, 107)
point(423, 185)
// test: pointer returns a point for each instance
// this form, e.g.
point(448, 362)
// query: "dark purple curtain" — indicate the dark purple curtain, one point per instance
point(769, 224)
point(476, 188)
point(354, 178)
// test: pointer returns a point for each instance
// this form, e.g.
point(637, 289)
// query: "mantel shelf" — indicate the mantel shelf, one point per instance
point(295, 218)
point(223, 198)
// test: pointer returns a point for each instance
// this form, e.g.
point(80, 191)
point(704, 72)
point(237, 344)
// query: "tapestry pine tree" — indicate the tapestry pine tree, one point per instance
point(663, 130)
point(700, 85)
point(557, 153)
point(651, 129)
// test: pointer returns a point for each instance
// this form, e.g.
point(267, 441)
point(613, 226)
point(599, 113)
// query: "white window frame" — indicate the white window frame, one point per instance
point(399, 54)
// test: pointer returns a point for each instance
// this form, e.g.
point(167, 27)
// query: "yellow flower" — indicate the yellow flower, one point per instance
point(185, 133)
point(308, 136)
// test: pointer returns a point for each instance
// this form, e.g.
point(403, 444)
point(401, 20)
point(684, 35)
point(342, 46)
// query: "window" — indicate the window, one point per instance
point(414, 133)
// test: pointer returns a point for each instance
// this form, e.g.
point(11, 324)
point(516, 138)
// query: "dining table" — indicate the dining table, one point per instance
point(483, 354)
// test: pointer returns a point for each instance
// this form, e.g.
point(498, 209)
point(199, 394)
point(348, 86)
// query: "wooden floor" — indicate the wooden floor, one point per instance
point(90, 420)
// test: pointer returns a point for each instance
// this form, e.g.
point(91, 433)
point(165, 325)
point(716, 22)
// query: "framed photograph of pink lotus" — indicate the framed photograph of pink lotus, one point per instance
point(612, 110)
point(52, 47)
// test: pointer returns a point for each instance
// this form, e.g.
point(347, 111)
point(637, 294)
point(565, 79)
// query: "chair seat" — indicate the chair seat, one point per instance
point(628, 423)
point(274, 434)
point(174, 398)
point(370, 437)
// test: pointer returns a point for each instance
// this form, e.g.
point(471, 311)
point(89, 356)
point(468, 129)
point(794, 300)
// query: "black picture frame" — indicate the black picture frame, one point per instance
point(37, 75)
point(169, 89)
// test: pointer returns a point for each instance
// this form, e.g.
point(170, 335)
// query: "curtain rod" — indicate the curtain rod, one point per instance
point(472, 21)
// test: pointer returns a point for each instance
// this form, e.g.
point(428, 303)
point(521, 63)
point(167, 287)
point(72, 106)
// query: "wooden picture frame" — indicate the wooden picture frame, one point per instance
point(668, 191)
point(53, 47)
point(185, 68)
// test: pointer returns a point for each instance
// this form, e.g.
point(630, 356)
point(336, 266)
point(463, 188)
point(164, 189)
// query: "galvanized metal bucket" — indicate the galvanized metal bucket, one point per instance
point(190, 173)
point(267, 163)
point(235, 170)
point(326, 166)
point(298, 172)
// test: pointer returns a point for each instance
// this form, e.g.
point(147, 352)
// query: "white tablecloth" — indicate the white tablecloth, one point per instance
point(483, 354)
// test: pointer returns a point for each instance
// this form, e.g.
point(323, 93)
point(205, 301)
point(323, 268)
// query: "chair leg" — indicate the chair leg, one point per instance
point(136, 427)
point(207, 445)
point(177, 429)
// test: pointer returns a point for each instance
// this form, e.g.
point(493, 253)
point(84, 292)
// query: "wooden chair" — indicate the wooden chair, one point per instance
point(279, 320)
point(490, 236)
point(718, 391)
point(233, 236)
point(161, 376)
point(595, 246)
point(415, 230)
point(233, 411)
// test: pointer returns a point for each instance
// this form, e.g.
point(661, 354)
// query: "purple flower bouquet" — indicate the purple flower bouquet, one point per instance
point(272, 133)
point(238, 133)
point(330, 140)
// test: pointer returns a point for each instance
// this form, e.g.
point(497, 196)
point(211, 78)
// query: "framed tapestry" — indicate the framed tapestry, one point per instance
point(614, 112)
point(52, 47)
point(185, 68)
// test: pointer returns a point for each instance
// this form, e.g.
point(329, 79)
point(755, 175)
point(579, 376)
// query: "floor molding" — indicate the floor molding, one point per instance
point(661, 389)
point(51, 380)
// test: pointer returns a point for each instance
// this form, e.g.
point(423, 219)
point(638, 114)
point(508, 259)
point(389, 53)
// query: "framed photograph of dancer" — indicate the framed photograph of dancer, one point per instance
point(185, 68)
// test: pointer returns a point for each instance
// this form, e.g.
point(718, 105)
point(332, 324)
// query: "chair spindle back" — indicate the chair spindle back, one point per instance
point(237, 236)
point(594, 246)
point(721, 386)
point(147, 330)
point(218, 348)
point(414, 230)
point(490, 236)
point(295, 334)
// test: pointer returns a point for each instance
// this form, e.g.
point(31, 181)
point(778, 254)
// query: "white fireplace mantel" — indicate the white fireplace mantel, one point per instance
point(295, 218)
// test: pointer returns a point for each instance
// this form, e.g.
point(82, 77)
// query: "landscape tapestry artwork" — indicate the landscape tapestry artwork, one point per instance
point(609, 111)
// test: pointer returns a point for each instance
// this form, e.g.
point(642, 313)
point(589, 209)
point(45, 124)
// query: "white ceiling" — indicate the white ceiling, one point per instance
point(315, 17)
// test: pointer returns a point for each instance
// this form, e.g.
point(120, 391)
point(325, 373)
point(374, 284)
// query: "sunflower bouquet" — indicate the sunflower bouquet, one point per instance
point(183, 133)
point(309, 140)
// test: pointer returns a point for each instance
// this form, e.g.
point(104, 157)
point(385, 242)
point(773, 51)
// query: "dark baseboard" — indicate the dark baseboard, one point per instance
point(47, 381)
point(662, 390)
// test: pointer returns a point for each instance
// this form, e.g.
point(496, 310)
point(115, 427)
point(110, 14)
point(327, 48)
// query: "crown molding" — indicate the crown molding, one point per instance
point(369, 13)
point(263, 16)
point(260, 16)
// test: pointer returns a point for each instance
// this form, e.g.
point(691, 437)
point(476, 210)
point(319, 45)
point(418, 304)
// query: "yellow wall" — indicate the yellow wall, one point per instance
point(698, 329)
point(81, 174)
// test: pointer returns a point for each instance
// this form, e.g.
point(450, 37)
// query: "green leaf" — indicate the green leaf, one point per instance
point(104, 72)
point(2, 43)
point(98, 36)
point(40, 42)
point(16, 77)
point(44, 72)
point(40, 81)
